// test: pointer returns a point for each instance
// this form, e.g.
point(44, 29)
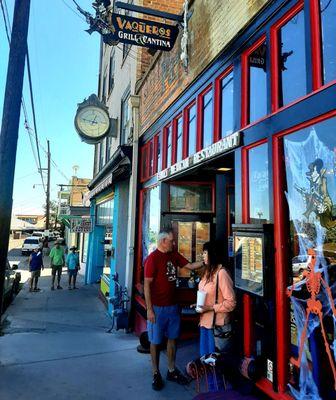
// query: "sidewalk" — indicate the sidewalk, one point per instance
point(56, 346)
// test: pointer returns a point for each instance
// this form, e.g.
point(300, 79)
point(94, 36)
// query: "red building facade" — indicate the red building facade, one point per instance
point(249, 145)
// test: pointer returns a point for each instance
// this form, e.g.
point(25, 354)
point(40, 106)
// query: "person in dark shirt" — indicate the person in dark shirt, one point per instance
point(35, 266)
point(163, 317)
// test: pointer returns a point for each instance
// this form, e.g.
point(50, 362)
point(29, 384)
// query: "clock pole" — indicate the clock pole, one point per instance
point(10, 127)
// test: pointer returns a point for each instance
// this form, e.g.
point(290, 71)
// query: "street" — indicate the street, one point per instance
point(55, 345)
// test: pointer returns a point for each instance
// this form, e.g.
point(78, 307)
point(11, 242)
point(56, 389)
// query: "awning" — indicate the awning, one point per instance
point(116, 169)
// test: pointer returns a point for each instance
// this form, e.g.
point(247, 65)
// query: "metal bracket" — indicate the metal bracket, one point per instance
point(149, 11)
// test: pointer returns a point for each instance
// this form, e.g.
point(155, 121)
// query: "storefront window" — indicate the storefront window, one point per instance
point(292, 60)
point(310, 164)
point(150, 220)
point(179, 139)
point(151, 158)
point(258, 83)
point(169, 134)
point(227, 105)
point(259, 184)
point(328, 28)
point(158, 148)
point(192, 130)
point(207, 119)
point(191, 198)
point(104, 213)
point(144, 162)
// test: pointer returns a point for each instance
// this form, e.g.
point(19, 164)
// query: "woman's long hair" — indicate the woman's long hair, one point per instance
point(214, 259)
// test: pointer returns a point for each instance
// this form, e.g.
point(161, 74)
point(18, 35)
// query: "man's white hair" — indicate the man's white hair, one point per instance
point(163, 235)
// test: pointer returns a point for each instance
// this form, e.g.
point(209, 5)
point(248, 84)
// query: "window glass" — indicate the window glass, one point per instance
point(169, 134)
point(328, 27)
point(102, 154)
point(310, 165)
point(207, 119)
point(111, 71)
point(258, 83)
point(151, 157)
point(104, 213)
point(150, 220)
point(259, 185)
point(124, 120)
point(227, 105)
point(292, 60)
point(144, 158)
point(179, 142)
point(192, 130)
point(159, 143)
point(191, 198)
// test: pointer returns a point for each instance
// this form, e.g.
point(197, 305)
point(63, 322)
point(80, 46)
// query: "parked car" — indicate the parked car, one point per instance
point(12, 281)
point(39, 234)
point(30, 244)
point(301, 262)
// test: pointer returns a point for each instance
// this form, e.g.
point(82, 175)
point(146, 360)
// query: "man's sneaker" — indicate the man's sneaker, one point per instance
point(157, 383)
point(59, 287)
point(52, 288)
point(177, 376)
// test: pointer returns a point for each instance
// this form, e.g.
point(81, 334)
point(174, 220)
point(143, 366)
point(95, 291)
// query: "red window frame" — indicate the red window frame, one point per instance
point(147, 169)
point(275, 55)
point(156, 153)
point(143, 162)
point(245, 86)
point(316, 45)
point(186, 132)
point(218, 103)
point(175, 137)
point(165, 146)
point(200, 117)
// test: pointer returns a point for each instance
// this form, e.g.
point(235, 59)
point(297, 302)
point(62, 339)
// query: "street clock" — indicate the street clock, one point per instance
point(92, 121)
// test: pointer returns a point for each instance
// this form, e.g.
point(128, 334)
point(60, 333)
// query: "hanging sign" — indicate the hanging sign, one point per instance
point(140, 32)
point(82, 225)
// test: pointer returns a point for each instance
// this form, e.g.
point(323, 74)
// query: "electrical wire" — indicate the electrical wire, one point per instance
point(30, 131)
point(131, 53)
point(8, 29)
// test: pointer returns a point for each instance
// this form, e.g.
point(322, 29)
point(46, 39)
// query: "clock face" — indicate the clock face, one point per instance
point(92, 122)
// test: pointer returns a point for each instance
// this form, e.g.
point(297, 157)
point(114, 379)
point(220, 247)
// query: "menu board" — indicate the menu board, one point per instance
point(249, 269)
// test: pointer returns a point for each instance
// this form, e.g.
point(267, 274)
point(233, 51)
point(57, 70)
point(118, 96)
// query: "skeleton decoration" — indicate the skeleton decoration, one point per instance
point(101, 22)
point(311, 195)
point(185, 37)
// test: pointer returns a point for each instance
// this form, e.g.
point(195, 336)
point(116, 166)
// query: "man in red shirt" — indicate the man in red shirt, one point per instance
point(163, 317)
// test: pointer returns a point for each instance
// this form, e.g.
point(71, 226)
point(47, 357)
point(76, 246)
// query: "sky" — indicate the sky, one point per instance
point(64, 62)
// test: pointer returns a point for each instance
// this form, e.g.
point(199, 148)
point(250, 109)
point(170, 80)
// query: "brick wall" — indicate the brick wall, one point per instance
point(213, 25)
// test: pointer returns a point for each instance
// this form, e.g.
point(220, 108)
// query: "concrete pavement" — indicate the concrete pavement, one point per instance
point(55, 345)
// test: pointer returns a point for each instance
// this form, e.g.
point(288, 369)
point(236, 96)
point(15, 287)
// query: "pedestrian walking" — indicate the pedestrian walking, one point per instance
point(35, 266)
point(57, 263)
point(72, 263)
point(215, 325)
point(45, 246)
point(163, 316)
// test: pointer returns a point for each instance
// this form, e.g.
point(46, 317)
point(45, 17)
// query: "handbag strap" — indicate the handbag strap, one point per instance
point(216, 299)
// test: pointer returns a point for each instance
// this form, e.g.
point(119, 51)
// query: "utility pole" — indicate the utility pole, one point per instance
point(10, 127)
point(48, 190)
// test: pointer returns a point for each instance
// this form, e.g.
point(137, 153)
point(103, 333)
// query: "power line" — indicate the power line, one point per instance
point(132, 53)
point(34, 116)
point(24, 108)
point(8, 29)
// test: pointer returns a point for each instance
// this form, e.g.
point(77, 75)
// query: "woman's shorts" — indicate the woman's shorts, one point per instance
point(72, 272)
